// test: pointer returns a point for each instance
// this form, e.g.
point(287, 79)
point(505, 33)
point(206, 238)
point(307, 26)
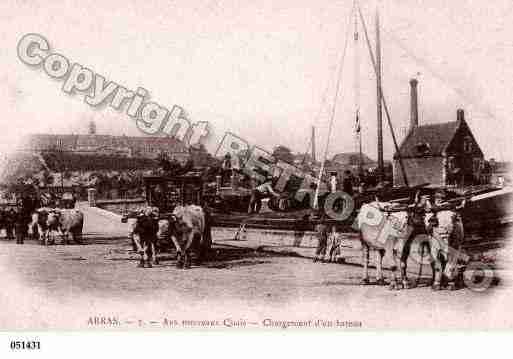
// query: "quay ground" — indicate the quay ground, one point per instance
point(63, 287)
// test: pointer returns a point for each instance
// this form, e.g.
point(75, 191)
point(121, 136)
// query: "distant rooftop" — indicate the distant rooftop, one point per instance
point(351, 159)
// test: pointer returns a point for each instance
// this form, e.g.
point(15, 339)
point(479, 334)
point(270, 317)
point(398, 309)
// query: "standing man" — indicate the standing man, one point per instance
point(260, 192)
point(347, 183)
point(27, 205)
point(321, 230)
point(227, 168)
point(333, 182)
point(300, 227)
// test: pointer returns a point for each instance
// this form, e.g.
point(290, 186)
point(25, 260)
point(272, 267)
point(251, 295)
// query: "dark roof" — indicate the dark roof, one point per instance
point(436, 136)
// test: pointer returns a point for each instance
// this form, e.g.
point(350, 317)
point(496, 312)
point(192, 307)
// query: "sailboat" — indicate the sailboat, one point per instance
point(486, 208)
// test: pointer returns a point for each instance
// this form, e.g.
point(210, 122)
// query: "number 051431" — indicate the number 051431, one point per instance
point(25, 345)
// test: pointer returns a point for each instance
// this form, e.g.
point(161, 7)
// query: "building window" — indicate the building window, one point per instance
point(478, 165)
point(451, 163)
point(423, 149)
point(467, 144)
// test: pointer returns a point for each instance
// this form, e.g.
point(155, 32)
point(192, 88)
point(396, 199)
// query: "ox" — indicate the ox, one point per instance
point(384, 232)
point(43, 222)
point(65, 222)
point(446, 236)
point(394, 232)
point(71, 224)
point(143, 230)
point(188, 227)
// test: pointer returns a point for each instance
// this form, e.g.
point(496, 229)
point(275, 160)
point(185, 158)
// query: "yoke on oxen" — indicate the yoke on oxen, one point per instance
point(187, 229)
point(392, 229)
point(67, 222)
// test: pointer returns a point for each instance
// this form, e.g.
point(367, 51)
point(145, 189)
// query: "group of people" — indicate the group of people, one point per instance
point(15, 220)
point(329, 242)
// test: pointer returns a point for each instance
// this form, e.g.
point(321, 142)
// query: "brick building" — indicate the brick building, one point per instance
point(440, 154)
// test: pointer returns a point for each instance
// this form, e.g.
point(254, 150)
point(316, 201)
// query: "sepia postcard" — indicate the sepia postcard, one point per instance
point(255, 165)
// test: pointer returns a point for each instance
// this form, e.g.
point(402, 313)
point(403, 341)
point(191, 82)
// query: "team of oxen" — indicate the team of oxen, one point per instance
point(68, 223)
point(187, 230)
point(42, 225)
point(438, 237)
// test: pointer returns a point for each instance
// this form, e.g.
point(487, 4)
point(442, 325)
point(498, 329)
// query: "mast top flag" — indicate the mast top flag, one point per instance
point(381, 103)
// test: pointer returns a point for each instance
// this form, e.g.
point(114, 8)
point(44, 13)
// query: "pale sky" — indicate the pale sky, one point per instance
point(260, 68)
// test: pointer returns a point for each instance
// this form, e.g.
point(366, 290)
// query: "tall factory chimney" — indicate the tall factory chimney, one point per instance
point(414, 106)
point(313, 144)
point(460, 115)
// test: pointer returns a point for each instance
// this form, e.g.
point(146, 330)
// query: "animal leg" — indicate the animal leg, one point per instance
point(394, 283)
point(365, 261)
point(177, 244)
point(403, 262)
point(329, 250)
point(9, 233)
point(150, 253)
point(132, 242)
point(403, 274)
point(187, 250)
point(155, 257)
point(187, 260)
point(180, 254)
point(46, 236)
point(144, 252)
point(137, 243)
point(39, 236)
point(64, 238)
point(179, 260)
point(379, 267)
point(64, 234)
point(437, 270)
point(421, 263)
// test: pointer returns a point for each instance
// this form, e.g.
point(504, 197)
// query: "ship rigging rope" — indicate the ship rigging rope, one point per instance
point(385, 107)
point(357, 93)
point(323, 99)
point(334, 107)
point(426, 66)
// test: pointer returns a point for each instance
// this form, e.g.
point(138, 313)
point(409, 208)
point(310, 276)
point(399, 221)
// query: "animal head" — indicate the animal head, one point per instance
point(53, 214)
point(186, 215)
point(447, 222)
point(369, 215)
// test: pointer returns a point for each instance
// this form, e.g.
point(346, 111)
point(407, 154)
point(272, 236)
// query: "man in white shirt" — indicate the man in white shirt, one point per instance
point(262, 191)
point(333, 182)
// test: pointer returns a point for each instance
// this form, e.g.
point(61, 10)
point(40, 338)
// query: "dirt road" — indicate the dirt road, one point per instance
point(68, 286)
